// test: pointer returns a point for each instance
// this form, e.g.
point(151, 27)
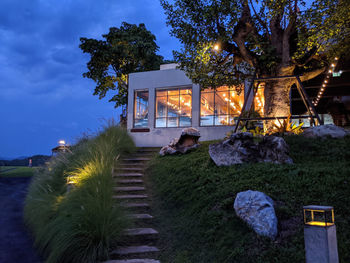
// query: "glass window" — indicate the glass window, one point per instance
point(220, 106)
point(259, 100)
point(174, 108)
point(141, 109)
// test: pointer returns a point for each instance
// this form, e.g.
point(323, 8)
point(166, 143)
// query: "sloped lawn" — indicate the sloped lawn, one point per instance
point(194, 201)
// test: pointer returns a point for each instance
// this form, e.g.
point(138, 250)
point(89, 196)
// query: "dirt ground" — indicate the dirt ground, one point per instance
point(16, 244)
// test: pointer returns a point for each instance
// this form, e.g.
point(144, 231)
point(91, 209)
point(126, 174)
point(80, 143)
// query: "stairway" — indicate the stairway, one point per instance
point(139, 242)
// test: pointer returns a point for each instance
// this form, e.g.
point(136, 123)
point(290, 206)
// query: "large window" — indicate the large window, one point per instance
point(141, 109)
point(221, 106)
point(174, 108)
point(259, 100)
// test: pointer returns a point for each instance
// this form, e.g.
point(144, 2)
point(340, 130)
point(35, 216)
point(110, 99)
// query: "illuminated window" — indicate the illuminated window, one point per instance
point(174, 108)
point(221, 105)
point(141, 109)
point(259, 100)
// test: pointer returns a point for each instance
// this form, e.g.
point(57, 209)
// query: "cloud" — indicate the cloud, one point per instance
point(42, 92)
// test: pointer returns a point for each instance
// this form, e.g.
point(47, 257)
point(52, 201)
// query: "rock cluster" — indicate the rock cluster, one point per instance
point(241, 148)
point(325, 131)
point(187, 141)
point(256, 209)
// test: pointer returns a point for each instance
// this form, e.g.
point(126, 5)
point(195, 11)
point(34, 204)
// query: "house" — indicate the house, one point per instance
point(163, 102)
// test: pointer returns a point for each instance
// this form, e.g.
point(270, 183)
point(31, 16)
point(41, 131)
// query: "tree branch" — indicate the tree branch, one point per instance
point(263, 23)
point(312, 74)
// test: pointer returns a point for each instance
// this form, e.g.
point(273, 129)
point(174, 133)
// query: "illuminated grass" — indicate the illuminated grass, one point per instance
point(78, 223)
point(197, 221)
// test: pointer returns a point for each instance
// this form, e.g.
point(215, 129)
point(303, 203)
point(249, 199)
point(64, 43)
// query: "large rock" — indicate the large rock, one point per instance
point(328, 130)
point(241, 148)
point(187, 141)
point(256, 209)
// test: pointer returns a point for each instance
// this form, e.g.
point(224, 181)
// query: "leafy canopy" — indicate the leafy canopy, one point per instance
point(226, 40)
point(124, 50)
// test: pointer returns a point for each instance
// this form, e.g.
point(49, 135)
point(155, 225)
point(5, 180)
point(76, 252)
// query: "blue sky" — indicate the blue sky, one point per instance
point(43, 96)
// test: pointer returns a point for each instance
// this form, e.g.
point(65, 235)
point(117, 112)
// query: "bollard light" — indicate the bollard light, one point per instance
point(320, 234)
point(315, 215)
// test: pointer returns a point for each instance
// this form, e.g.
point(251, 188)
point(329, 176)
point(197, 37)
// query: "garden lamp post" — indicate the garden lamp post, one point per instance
point(320, 234)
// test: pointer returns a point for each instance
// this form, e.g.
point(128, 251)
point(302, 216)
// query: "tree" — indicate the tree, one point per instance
point(127, 49)
point(225, 41)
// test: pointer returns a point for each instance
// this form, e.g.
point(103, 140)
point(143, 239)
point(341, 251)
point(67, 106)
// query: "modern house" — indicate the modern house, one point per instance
point(163, 102)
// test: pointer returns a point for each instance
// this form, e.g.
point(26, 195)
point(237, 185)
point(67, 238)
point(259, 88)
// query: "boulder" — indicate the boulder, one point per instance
point(188, 140)
point(328, 130)
point(241, 148)
point(256, 209)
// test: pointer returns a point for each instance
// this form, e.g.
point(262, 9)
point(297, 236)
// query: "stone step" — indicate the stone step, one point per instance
point(140, 260)
point(128, 175)
point(129, 188)
point(130, 169)
point(136, 159)
point(130, 181)
point(130, 196)
point(135, 205)
point(140, 216)
point(134, 250)
point(133, 164)
point(140, 232)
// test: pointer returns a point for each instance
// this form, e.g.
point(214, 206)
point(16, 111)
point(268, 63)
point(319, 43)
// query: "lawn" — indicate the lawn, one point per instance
point(194, 202)
point(17, 171)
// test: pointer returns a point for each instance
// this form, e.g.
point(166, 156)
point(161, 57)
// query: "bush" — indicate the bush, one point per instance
point(78, 223)
point(195, 198)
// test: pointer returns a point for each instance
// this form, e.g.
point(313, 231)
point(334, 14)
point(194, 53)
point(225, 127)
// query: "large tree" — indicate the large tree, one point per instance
point(224, 41)
point(124, 50)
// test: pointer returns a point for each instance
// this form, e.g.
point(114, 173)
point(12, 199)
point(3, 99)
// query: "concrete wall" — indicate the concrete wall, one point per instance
point(167, 78)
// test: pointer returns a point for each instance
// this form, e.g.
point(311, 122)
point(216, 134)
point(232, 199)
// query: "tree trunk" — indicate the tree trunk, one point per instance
point(277, 100)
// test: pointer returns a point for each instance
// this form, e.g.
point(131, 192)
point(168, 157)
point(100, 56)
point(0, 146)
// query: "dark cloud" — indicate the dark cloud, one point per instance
point(43, 96)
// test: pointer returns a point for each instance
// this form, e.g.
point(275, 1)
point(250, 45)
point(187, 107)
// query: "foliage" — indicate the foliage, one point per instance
point(78, 224)
point(197, 222)
point(124, 50)
point(286, 126)
point(223, 41)
point(256, 132)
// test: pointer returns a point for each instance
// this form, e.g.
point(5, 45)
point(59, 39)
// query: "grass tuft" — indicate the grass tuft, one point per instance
point(78, 223)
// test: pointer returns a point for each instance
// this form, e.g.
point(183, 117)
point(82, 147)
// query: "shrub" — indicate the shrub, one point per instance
point(79, 223)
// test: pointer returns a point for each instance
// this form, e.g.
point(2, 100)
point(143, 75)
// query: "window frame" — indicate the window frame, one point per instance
point(134, 107)
point(214, 116)
point(182, 87)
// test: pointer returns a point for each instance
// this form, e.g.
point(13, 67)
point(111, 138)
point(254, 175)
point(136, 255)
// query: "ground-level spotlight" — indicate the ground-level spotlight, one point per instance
point(320, 234)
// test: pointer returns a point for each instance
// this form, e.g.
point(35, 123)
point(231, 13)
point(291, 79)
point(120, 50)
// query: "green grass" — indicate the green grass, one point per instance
point(19, 171)
point(194, 201)
point(78, 223)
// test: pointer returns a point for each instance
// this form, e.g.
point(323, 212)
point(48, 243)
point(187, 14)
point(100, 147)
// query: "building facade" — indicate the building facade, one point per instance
point(163, 102)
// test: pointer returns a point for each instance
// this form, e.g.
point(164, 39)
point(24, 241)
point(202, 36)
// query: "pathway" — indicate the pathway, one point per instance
point(139, 243)
point(15, 241)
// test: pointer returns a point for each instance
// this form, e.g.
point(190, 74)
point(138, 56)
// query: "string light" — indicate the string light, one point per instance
point(322, 89)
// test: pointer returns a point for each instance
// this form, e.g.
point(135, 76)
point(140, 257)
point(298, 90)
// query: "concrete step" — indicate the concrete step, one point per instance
point(130, 196)
point(140, 260)
point(132, 164)
point(134, 250)
point(136, 159)
point(140, 216)
point(130, 169)
point(129, 188)
point(135, 205)
point(128, 175)
point(140, 232)
point(130, 181)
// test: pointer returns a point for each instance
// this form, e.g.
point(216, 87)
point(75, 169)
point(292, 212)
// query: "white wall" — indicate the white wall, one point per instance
point(167, 78)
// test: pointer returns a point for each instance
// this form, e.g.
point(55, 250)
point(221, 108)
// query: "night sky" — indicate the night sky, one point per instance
point(43, 96)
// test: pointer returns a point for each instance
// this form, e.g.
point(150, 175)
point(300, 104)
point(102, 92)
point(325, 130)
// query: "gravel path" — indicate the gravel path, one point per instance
point(15, 241)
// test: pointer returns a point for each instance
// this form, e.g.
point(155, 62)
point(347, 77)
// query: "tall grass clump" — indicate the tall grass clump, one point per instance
point(69, 206)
